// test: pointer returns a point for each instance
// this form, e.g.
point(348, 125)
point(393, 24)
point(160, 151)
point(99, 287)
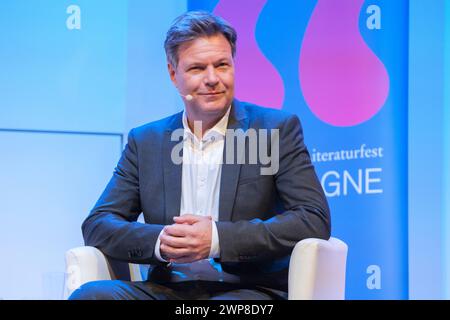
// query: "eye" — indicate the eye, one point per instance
point(223, 66)
point(195, 68)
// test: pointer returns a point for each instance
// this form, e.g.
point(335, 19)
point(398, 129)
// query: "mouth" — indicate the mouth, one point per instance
point(211, 94)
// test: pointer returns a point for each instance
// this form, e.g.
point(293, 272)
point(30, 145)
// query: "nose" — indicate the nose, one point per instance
point(211, 79)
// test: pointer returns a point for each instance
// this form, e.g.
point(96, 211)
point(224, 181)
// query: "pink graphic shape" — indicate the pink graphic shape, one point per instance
point(257, 80)
point(343, 81)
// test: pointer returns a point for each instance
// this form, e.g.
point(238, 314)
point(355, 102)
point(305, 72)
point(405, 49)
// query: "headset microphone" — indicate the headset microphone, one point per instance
point(188, 97)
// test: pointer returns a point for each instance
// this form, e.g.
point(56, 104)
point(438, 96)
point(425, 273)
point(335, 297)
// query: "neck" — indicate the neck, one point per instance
point(204, 122)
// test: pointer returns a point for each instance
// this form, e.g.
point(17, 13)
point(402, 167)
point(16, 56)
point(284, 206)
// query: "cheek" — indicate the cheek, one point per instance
point(228, 80)
point(192, 82)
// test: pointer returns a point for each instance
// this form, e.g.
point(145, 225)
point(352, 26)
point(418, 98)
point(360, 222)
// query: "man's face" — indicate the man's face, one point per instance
point(206, 71)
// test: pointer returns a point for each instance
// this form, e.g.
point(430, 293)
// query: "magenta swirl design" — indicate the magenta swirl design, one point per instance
point(342, 80)
point(257, 80)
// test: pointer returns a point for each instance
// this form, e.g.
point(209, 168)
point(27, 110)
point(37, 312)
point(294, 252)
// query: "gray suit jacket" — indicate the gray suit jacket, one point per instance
point(261, 217)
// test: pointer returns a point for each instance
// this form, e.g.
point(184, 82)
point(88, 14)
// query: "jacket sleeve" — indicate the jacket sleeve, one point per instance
point(306, 212)
point(112, 224)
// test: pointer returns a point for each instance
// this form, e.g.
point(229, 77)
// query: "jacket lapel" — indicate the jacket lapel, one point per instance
point(230, 172)
point(172, 171)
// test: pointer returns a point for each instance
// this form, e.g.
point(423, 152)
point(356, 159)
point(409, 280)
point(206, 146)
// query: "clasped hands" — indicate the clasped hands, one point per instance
point(187, 240)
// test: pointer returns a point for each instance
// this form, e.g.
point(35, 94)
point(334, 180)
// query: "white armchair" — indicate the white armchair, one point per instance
point(316, 270)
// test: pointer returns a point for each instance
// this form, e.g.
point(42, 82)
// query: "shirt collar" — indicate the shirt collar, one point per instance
point(220, 127)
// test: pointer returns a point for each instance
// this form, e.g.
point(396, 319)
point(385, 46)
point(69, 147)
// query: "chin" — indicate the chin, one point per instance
point(215, 107)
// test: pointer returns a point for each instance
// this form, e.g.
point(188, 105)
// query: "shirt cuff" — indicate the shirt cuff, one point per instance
point(215, 248)
point(157, 252)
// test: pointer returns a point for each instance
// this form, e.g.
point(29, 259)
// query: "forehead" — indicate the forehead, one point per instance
point(204, 49)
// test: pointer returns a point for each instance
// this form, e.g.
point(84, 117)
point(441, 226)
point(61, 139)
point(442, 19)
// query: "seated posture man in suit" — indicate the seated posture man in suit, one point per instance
point(218, 225)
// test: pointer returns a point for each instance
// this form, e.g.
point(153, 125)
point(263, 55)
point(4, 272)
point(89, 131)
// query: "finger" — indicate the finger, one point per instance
point(191, 219)
point(178, 230)
point(176, 242)
point(173, 253)
point(187, 218)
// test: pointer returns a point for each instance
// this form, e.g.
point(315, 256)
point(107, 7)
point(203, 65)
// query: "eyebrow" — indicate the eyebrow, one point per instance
point(200, 64)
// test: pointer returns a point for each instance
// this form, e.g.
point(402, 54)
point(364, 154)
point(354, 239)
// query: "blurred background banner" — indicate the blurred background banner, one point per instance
point(342, 66)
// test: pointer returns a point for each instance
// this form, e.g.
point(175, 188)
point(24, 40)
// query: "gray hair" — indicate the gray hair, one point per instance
point(192, 25)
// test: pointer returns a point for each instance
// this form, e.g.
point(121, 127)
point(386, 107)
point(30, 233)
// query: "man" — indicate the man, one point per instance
point(214, 228)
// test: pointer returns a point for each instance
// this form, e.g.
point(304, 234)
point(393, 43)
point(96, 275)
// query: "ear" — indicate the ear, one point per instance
point(171, 70)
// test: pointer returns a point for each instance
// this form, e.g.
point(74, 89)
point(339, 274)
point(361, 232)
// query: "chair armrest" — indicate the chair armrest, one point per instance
point(317, 270)
point(84, 264)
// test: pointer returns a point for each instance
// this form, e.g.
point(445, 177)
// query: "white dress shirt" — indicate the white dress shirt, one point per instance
point(200, 191)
